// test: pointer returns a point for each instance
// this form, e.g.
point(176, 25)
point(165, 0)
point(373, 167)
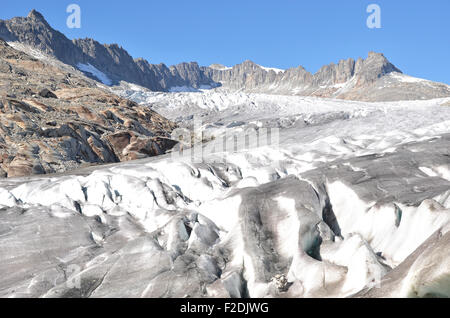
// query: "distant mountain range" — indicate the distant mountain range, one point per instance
point(371, 79)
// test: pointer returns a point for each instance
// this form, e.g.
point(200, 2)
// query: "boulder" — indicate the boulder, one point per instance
point(46, 93)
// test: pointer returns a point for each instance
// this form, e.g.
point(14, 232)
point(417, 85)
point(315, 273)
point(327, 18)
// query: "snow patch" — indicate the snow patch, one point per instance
point(276, 70)
point(88, 68)
point(406, 78)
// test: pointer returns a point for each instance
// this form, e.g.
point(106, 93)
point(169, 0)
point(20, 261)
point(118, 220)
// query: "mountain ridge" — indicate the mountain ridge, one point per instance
point(361, 79)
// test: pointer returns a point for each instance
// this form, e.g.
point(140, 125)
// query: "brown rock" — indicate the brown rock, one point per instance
point(22, 166)
point(140, 148)
point(119, 142)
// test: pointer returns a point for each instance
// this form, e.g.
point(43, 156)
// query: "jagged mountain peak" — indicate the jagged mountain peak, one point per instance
point(375, 66)
point(140, 59)
point(36, 15)
point(193, 63)
point(373, 54)
point(114, 46)
point(376, 57)
point(249, 62)
point(217, 66)
point(380, 60)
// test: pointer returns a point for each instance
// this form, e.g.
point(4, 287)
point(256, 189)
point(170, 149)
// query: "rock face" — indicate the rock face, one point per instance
point(368, 80)
point(35, 31)
point(52, 120)
point(111, 59)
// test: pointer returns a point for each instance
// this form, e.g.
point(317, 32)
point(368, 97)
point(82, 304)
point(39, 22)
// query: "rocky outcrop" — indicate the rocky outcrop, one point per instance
point(53, 121)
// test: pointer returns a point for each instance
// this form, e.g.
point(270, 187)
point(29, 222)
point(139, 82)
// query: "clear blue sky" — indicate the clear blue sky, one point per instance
point(415, 35)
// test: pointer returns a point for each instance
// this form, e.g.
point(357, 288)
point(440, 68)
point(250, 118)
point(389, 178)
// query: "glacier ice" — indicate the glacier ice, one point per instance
point(354, 201)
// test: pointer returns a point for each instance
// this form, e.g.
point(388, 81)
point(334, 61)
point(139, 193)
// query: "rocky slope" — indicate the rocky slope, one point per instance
point(53, 119)
point(371, 79)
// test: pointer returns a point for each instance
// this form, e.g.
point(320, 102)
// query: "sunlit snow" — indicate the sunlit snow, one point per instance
point(88, 68)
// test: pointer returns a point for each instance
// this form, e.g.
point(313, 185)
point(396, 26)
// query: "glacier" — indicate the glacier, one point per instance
point(354, 201)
